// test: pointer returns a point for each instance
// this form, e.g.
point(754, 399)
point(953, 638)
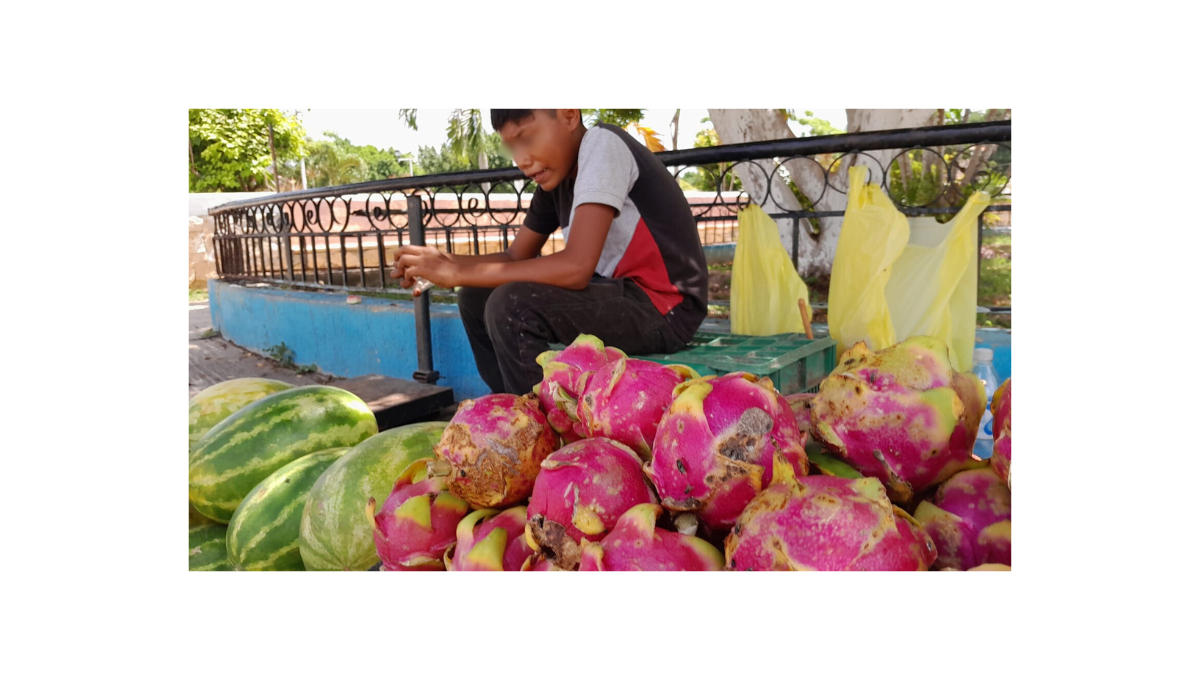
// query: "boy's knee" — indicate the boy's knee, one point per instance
point(508, 302)
point(471, 301)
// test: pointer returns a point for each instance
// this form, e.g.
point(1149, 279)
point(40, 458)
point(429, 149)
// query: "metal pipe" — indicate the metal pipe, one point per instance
point(416, 236)
point(978, 257)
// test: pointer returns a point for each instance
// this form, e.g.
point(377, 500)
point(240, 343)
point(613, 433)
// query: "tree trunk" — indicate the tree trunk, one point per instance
point(815, 251)
point(675, 132)
point(981, 154)
point(274, 163)
point(192, 159)
point(483, 165)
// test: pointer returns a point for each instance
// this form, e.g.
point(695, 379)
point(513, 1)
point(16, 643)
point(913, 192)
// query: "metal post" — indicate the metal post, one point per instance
point(416, 236)
point(285, 252)
point(978, 259)
point(796, 243)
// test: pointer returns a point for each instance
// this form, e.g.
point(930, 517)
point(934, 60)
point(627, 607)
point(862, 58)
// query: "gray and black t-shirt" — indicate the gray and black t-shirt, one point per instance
point(653, 240)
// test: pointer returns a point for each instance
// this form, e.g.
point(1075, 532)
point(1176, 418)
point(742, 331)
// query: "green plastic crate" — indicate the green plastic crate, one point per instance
point(792, 361)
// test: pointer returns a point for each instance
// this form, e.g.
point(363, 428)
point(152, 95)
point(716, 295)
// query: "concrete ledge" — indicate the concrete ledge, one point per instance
point(719, 253)
point(376, 336)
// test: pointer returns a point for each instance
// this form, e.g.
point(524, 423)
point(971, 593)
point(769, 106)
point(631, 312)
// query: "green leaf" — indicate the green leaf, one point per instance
point(830, 465)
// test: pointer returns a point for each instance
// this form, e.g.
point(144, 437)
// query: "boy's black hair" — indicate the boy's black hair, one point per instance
point(502, 117)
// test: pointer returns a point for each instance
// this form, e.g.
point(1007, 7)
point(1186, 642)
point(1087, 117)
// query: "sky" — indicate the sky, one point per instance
point(383, 128)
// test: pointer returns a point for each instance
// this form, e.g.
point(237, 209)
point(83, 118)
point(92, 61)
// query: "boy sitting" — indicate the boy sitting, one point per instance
point(632, 271)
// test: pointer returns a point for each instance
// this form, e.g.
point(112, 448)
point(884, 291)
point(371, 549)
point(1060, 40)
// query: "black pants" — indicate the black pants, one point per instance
point(511, 325)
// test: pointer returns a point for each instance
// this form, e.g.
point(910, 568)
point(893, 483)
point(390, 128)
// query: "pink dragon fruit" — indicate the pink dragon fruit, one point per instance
point(582, 491)
point(560, 421)
point(570, 367)
point(489, 540)
point(828, 524)
point(983, 567)
point(1002, 431)
point(715, 446)
point(564, 375)
point(536, 562)
point(800, 405)
point(625, 400)
point(902, 415)
point(968, 520)
point(417, 521)
point(493, 449)
point(635, 544)
point(994, 545)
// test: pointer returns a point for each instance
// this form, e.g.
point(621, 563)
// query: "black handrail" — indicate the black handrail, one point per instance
point(939, 135)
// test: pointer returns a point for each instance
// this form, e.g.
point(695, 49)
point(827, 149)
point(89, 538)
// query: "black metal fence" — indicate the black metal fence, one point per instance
point(340, 237)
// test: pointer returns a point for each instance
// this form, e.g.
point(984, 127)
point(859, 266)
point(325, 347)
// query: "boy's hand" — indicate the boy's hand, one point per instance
point(426, 262)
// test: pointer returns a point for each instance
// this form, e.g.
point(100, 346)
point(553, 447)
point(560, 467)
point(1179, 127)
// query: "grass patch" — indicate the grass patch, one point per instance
point(995, 280)
point(285, 357)
point(200, 295)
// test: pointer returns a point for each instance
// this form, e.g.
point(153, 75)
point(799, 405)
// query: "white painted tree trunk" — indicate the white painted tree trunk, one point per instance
point(483, 165)
point(815, 252)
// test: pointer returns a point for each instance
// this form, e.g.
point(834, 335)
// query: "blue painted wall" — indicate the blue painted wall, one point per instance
point(374, 336)
point(719, 253)
point(1000, 340)
point(379, 335)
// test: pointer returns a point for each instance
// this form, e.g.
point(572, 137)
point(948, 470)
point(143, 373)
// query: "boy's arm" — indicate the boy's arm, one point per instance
point(525, 246)
point(606, 174)
point(541, 220)
point(571, 268)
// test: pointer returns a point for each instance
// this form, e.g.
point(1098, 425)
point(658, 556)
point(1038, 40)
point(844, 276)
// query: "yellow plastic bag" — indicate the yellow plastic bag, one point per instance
point(933, 287)
point(765, 289)
point(893, 279)
point(873, 236)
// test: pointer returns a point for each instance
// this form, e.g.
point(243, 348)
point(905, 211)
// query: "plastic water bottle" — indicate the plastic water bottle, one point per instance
point(984, 370)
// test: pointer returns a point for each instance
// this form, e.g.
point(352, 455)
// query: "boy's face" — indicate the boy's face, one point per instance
point(544, 145)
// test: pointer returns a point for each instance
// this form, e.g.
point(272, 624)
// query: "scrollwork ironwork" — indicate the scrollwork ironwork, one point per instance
point(805, 181)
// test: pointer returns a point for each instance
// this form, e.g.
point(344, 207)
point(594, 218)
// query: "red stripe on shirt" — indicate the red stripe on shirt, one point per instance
point(643, 263)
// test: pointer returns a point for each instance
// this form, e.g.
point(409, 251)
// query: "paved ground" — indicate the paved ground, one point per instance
point(212, 360)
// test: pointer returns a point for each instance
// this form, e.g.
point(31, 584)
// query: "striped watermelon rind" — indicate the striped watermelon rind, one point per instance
point(206, 548)
point(195, 519)
point(214, 404)
point(335, 532)
point(264, 533)
point(249, 445)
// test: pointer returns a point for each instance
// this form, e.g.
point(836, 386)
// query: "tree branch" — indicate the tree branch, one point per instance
point(979, 155)
point(905, 170)
point(192, 159)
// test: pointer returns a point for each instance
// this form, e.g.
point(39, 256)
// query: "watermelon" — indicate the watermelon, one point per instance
point(260, 438)
point(195, 519)
point(214, 404)
point(335, 532)
point(264, 533)
point(206, 548)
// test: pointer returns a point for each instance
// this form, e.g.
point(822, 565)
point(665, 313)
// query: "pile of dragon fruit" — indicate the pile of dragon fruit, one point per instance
point(620, 464)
